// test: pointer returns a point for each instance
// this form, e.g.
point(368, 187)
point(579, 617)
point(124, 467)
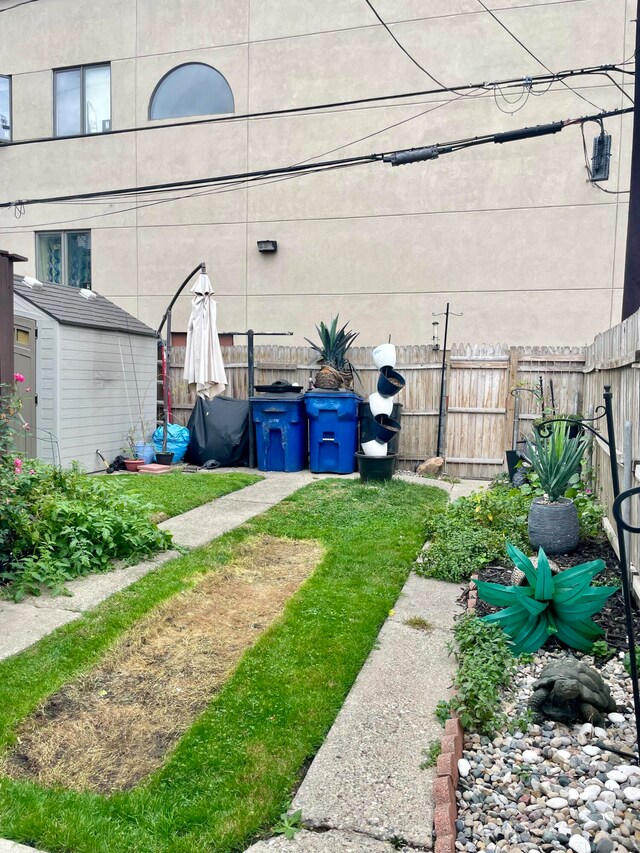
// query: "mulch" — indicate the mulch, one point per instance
point(612, 616)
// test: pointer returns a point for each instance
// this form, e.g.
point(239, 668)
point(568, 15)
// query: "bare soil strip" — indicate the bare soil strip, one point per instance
point(111, 727)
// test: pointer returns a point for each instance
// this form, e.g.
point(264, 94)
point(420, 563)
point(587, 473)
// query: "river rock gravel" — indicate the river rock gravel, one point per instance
point(538, 788)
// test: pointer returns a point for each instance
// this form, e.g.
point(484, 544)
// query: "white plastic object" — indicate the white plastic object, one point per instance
point(384, 355)
point(374, 448)
point(380, 405)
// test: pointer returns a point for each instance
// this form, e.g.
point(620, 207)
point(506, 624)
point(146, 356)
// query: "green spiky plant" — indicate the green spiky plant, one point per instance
point(555, 458)
point(332, 354)
point(559, 604)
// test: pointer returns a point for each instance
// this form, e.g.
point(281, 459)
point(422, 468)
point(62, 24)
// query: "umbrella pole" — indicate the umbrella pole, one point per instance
point(165, 389)
point(250, 393)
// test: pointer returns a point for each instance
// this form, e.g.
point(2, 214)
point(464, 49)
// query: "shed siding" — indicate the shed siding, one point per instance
point(46, 377)
point(107, 383)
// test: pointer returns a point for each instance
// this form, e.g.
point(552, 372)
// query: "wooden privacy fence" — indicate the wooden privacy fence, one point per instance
point(480, 410)
point(614, 359)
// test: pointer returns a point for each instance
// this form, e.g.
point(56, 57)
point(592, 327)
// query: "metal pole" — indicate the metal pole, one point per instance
point(250, 392)
point(631, 292)
point(165, 384)
point(590, 414)
point(627, 469)
point(611, 435)
point(442, 372)
point(626, 592)
point(516, 421)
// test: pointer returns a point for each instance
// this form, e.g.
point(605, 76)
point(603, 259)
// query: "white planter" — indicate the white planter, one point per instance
point(374, 448)
point(380, 405)
point(384, 356)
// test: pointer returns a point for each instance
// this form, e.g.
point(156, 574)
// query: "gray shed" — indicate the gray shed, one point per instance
point(92, 369)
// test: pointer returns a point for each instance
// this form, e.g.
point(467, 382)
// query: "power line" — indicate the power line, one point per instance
point(401, 46)
point(15, 6)
point(396, 158)
point(532, 54)
point(266, 114)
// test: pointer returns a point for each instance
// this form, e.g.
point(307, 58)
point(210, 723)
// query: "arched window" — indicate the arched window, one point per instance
point(194, 89)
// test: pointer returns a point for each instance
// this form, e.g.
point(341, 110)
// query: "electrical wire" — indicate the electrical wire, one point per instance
point(401, 46)
point(408, 155)
point(532, 54)
point(513, 82)
point(15, 6)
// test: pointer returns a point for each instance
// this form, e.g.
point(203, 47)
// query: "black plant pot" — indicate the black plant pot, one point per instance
point(385, 428)
point(164, 458)
point(390, 382)
point(376, 467)
point(554, 526)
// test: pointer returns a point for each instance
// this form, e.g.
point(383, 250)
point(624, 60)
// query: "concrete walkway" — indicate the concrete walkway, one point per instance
point(365, 791)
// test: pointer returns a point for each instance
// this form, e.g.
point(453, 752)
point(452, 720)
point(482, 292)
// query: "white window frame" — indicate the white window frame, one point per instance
point(83, 99)
point(10, 116)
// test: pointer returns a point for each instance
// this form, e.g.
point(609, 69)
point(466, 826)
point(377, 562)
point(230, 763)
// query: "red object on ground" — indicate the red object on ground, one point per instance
point(154, 468)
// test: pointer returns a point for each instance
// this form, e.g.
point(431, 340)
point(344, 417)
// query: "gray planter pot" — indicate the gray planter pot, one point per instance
point(554, 526)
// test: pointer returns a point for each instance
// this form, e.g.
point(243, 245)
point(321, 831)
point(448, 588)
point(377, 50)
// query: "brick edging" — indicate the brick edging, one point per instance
point(445, 808)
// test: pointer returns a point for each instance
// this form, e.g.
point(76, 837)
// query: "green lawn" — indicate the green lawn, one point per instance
point(233, 772)
point(175, 493)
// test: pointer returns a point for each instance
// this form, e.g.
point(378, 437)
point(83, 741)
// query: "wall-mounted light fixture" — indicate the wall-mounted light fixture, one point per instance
point(434, 339)
point(267, 245)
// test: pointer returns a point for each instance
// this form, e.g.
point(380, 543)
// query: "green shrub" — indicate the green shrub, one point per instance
point(472, 532)
point(485, 664)
point(56, 525)
point(555, 458)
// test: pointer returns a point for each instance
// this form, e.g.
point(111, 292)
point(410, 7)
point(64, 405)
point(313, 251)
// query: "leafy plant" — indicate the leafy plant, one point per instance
point(627, 661)
point(334, 344)
point(589, 510)
point(521, 723)
point(485, 664)
point(289, 824)
point(442, 712)
point(555, 458)
point(432, 753)
point(472, 532)
point(602, 649)
point(59, 524)
point(560, 604)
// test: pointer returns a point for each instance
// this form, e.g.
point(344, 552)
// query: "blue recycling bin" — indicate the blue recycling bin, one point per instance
point(333, 430)
point(281, 431)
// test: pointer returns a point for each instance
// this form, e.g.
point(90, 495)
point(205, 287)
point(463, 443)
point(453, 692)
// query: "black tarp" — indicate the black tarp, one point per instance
point(219, 430)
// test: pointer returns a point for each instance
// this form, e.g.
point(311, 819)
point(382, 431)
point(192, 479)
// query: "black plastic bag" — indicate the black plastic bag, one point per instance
point(219, 430)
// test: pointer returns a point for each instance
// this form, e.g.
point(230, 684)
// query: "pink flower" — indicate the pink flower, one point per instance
point(18, 465)
point(18, 377)
point(32, 470)
point(27, 427)
point(28, 388)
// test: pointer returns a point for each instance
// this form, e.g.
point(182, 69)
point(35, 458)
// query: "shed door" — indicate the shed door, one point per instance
point(25, 363)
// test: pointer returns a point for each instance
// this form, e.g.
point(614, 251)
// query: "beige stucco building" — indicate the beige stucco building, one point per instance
point(511, 235)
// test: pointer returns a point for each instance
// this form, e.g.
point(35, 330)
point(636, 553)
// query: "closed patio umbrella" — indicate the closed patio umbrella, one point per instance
point(203, 365)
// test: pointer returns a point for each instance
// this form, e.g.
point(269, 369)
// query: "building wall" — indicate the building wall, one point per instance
point(511, 235)
point(47, 378)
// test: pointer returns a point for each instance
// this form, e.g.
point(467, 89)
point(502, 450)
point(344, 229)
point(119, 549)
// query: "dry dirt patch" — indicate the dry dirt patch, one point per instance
point(113, 726)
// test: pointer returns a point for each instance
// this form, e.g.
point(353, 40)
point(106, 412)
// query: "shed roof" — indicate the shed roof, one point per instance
point(70, 308)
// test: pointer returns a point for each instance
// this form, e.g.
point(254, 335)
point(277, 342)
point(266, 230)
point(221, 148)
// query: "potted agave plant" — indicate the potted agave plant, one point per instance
point(336, 370)
point(553, 519)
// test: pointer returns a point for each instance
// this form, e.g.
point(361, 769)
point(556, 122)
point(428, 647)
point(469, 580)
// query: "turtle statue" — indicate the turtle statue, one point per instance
point(570, 691)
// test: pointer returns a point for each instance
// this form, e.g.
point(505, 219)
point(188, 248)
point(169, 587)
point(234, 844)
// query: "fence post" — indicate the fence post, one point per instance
point(512, 404)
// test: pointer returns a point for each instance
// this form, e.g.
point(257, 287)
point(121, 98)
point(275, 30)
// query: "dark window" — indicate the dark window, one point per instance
point(82, 100)
point(64, 257)
point(194, 89)
point(5, 109)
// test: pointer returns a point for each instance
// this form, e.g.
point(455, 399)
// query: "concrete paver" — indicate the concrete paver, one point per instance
point(13, 847)
point(22, 625)
point(321, 842)
point(366, 777)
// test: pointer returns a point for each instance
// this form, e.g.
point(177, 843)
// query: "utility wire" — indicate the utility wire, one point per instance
point(15, 6)
point(532, 54)
point(394, 157)
point(513, 82)
point(401, 46)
